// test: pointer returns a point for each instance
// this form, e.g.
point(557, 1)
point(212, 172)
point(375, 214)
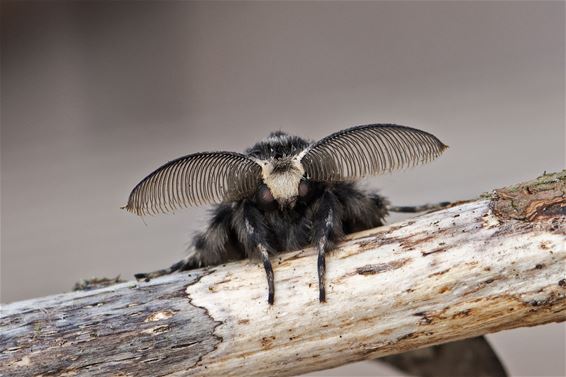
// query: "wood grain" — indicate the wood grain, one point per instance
point(452, 274)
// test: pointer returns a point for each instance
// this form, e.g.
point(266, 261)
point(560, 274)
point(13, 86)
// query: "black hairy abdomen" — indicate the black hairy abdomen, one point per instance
point(227, 236)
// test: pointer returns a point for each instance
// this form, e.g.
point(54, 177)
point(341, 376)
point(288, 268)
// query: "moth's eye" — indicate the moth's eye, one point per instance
point(265, 194)
point(303, 189)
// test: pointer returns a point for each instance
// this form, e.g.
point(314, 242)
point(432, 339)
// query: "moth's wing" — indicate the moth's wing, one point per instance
point(472, 357)
point(196, 179)
point(368, 150)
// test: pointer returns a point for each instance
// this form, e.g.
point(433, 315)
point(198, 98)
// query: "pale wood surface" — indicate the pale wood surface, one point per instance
point(475, 268)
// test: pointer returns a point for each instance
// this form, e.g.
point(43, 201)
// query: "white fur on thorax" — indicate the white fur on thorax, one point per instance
point(283, 185)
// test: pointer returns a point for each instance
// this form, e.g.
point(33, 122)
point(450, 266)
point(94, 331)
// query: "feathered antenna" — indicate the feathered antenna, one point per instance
point(196, 179)
point(373, 149)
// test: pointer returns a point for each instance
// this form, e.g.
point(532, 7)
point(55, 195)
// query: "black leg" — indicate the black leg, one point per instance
point(327, 229)
point(321, 274)
point(187, 263)
point(322, 245)
point(269, 273)
point(421, 208)
point(256, 243)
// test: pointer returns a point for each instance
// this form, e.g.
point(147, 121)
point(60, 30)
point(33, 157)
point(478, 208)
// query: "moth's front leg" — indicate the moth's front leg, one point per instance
point(256, 243)
point(327, 230)
point(269, 273)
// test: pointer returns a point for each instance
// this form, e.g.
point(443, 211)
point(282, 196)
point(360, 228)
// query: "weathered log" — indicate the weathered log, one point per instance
point(478, 267)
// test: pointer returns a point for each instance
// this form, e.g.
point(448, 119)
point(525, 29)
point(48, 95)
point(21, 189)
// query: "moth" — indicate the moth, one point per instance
point(284, 193)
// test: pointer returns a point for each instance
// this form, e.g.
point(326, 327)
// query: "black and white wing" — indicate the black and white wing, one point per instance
point(368, 150)
point(196, 179)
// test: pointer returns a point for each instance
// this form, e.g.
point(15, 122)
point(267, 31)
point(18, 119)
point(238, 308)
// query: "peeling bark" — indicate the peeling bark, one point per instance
point(475, 268)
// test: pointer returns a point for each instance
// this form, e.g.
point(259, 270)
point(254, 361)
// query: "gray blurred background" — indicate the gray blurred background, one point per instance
point(95, 95)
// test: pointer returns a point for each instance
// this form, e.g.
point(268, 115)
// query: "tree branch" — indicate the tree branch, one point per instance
point(478, 267)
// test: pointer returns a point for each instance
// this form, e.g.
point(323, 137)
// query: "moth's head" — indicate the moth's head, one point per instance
point(283, 181)
point(282, 172)
point(277, 146)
